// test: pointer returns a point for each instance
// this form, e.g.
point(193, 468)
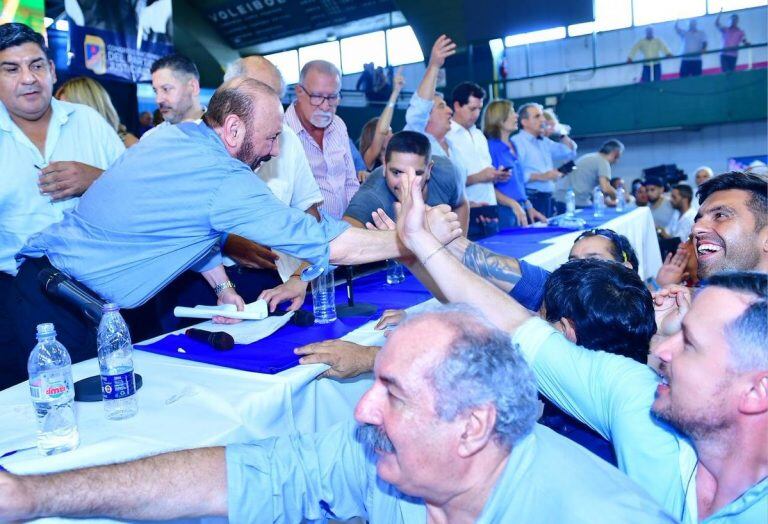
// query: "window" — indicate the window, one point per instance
point(586, 28)
point(613, 14)
point(714, 6)
point(328, 51)
point(403, 47)
point(359, 50)
point(544, 35)
point(287, 63)
point(652, 11)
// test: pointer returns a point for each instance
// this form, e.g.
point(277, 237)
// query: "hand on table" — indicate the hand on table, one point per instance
point(517, 209)
point(536, 216)
point(249, 254)
point(390, 318)
point(294, 289)
point(66, 179)
point(229, 296)
point(346, 359)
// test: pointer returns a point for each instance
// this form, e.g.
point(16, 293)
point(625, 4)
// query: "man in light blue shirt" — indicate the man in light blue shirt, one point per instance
point(162, 208)
point(536, 152)
point(447, 434)
point(715, 390)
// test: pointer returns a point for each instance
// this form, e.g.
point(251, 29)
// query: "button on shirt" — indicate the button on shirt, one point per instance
point(329, 475)
point(76, 133)
point(332, 164)
point(537, 155)
point(471, 153)
point(613, 395)
point(161, 209)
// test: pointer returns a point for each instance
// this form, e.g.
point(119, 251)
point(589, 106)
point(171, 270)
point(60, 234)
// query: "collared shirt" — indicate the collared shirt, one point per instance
point(76, 133)
point(329, 475)
point(650, 48)
point(538, 155)
point(332, 164)
point(613, 395)
point(471, 153)
point(732, 39)
point(503, 155)
point(680, 226)
point(694, 43)
point(161, 209)
point(416, 119)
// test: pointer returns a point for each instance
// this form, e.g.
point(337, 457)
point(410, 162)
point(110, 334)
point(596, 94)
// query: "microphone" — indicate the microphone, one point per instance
point(57, 284)
point(217, 339)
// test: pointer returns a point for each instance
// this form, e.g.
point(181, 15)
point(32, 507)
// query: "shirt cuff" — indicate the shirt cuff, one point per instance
point(530, 337)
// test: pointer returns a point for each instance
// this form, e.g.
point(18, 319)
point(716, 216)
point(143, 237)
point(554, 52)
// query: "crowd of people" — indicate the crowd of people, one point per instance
point(243, 199)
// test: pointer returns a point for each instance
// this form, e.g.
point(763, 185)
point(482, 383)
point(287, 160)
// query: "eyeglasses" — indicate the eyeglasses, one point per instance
point(317, 100)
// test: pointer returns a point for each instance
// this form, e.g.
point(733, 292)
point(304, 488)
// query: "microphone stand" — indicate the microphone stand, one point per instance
point(351, 309)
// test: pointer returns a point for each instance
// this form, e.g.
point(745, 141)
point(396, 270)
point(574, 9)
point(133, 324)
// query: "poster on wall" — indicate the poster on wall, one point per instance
point(118, 39)
point(29, 12)
point(742, 163)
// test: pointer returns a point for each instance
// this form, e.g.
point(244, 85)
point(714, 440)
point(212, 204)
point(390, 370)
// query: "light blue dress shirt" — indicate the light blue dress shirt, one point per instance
point(547, 479)
point(539, 155)
point(416, 118)
point(613, 395)
point(161, 209)
point(75, 133)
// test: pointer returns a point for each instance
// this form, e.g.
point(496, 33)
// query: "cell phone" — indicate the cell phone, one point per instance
point(566, 168)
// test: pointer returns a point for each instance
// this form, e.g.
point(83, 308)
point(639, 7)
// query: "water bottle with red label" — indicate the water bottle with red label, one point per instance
point(53, 393)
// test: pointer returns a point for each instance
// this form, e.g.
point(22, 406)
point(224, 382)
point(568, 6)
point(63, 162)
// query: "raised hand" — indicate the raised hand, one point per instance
point(411, 210)
point(442, 49)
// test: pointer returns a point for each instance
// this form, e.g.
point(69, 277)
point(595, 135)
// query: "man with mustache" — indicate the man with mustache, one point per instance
point(447, 434)
point(324, 135)
point(51, 152)
point(711, 462)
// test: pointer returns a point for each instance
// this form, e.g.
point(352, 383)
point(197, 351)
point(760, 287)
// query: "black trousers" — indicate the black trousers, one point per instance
point(646, 75)
point(23, 306)
point(690, 68)
point(727, 63)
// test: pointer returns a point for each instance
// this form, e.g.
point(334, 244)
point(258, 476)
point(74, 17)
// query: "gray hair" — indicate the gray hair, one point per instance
point(239, 96)
point(483, 367)
point(522, 111)
point(609, 146)
point(321, 66)
point(237, 68)
point(706, 169)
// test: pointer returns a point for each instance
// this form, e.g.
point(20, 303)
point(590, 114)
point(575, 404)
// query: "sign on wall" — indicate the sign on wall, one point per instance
point(243, 23)
point(119, 39)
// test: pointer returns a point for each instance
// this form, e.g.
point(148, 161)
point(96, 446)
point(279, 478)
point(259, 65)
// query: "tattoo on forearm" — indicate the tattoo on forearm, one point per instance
point(488, 264)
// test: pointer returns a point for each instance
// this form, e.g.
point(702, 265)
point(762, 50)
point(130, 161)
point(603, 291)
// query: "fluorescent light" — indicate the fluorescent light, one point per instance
point(47, 21)
point(555, 33)
point(586, 28)
point(497, 46)
point(403, 47)
point(62, 25)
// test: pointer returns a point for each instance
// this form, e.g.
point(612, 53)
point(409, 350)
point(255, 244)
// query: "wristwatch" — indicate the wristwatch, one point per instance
point(219, 289)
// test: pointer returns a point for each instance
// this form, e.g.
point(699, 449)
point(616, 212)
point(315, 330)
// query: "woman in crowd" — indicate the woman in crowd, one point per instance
point(377, 131)
point(86, 91)
point(498, 125)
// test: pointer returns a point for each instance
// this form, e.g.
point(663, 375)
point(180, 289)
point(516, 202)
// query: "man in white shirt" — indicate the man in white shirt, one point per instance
point(470, 145)
point(51, 151)
point(682, 221)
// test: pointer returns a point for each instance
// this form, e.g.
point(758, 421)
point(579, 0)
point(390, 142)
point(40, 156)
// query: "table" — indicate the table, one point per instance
point(186, 404)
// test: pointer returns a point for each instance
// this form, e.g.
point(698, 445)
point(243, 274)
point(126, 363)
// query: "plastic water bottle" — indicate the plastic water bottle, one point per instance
point(395, 273)
point(118, 383)
point(598, 201)
point(324, 298)
point(570, 203)
point(53, 393)
point(620, 196)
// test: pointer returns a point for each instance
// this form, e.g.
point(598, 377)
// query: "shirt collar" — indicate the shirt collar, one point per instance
point(59, 116)
point(292, 119)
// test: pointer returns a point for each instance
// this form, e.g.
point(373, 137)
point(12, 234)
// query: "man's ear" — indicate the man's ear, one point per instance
point(478, 430)
point(53, 70)
point(233, 132)
point(754, 397)
point(569, 330)
point(194, 84)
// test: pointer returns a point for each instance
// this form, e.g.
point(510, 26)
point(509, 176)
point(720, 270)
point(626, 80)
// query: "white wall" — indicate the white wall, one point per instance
point(612, 47)
point(711, 146)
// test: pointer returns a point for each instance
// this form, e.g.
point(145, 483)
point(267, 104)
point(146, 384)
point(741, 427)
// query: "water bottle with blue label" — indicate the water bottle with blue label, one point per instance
point(53, 393)
point(118, 384)
point(620, 199)
point(598, 201)
point(570, 203)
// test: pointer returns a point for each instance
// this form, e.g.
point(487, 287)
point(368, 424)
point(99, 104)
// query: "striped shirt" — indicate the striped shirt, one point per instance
point(332, 164)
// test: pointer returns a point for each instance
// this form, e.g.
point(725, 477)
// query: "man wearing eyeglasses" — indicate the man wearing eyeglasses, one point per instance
point(324, 135)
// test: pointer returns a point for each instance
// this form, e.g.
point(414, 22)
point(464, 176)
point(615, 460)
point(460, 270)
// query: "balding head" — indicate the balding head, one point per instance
point(258, 68)
point(247, 116)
